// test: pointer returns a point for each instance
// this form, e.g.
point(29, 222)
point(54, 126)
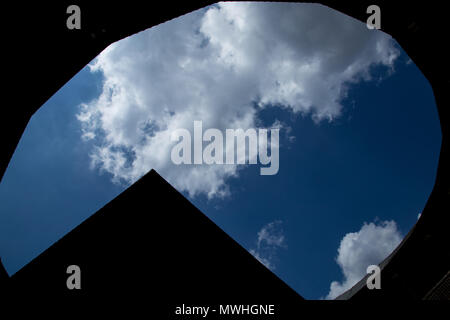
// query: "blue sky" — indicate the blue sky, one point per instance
point(367, 151)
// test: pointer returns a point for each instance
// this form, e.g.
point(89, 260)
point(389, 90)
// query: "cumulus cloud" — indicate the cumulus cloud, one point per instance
point(222, 64)
point(270, 240)
point(369, 246)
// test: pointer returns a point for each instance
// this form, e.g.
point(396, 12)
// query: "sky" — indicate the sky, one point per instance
point(359, 139)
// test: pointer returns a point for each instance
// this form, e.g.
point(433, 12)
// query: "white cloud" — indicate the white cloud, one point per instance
point(369, 246)
point(270, 240)
point(214, 65)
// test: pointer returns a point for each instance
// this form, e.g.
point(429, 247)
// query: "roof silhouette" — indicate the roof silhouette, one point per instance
point(152, 239)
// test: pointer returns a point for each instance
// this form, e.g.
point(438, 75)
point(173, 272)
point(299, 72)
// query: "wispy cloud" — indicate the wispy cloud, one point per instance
point(270, 239)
